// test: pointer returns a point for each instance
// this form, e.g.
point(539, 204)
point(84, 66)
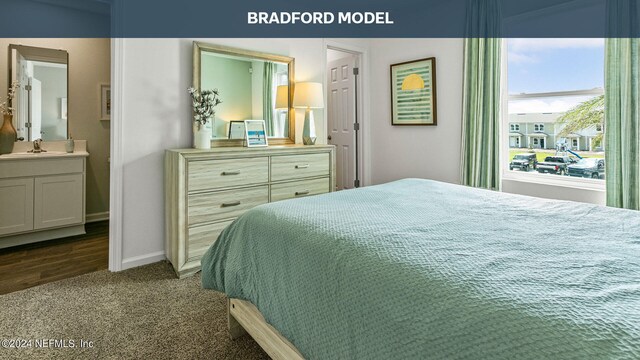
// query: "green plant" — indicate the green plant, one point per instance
point(586, 114)
point(204, 103)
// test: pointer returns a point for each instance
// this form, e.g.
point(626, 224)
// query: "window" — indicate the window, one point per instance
point(547, 80)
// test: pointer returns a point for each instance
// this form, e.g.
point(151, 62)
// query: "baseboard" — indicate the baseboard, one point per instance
point(136, 261)
point(101, 216)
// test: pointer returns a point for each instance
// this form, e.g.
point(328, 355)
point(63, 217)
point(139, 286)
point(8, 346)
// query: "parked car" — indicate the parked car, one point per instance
point(555, 165)
point(524, 162)
point(588, 168)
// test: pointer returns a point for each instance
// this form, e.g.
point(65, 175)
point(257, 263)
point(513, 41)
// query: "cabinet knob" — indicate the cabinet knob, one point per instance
point(225, 173)
point(303, 192)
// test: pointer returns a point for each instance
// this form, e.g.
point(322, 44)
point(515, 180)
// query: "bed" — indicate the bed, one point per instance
point(419, 269)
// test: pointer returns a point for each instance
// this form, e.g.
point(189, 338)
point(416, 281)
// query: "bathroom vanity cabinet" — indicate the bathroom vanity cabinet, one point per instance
point(42, 197)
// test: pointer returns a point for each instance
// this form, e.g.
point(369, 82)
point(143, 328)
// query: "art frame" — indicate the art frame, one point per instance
point(413, 93)
point(237, 129)
point(105, 102)
point(256, 133)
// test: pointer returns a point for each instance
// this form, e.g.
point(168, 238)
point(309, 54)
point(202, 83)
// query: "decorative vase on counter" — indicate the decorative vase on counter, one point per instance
point(8, 135)
point(201, 136)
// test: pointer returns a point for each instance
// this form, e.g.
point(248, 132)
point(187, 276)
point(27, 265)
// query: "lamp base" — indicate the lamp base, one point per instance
point(309, 129)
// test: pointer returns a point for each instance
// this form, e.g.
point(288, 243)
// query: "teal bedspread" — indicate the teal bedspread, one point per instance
point(418, 269)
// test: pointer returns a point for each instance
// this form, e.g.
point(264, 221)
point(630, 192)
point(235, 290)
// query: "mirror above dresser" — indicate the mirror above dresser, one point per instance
point(252, 86)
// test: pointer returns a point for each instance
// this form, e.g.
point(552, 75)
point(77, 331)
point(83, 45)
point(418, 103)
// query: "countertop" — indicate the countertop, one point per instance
point(54, 150)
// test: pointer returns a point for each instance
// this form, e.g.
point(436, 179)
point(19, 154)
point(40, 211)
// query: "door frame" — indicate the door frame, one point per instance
point(364, 135)
point(116, 159)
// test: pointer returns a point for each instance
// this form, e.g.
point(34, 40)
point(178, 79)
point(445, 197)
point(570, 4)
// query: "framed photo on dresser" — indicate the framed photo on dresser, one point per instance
point(256, 133)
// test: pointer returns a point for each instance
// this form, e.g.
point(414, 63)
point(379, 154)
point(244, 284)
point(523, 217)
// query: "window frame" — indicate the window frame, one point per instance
point(531, 177)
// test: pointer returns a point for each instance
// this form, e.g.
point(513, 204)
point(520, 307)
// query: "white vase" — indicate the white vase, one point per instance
point(201, 136)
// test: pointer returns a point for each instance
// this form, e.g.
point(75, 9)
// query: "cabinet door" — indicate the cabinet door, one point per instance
point(16, 205)
point(58, 201)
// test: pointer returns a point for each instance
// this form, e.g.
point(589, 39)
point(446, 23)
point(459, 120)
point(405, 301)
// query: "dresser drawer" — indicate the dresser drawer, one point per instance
point(201, 238)
point(294, 189)
point(286, 167)
point(207, 207)
point(215, 174)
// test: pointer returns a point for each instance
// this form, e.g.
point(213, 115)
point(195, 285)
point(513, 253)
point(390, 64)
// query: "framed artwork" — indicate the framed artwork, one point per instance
point(256, 133)
point(236, 129)
point(105, 102)
point(413, 92)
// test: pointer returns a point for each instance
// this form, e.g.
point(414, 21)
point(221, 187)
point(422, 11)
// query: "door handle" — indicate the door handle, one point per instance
point(302, 166)
point(237, 172)
point(235, 203)
point(303, 192)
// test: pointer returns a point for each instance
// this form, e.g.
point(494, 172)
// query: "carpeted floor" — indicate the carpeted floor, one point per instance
point(142, 313)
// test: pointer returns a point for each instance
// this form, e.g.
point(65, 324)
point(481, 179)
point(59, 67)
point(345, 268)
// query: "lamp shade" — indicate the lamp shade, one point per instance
point(308, 95)
point(282, 97)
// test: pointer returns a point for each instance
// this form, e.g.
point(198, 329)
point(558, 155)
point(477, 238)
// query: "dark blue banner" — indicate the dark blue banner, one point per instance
point(303, 18)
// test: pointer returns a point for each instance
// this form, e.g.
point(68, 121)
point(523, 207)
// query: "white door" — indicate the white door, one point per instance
point(19, 71)
point(341, 118)
point(35, 109)
point(58, 201)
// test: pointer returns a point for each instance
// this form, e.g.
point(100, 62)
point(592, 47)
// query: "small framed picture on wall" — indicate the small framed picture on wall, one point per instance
point(105, 102)
point(256, 133)
point(413, 92)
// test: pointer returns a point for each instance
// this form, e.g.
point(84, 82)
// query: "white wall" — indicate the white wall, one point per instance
point(156, 116)
point(431, 152)
point(434, 152)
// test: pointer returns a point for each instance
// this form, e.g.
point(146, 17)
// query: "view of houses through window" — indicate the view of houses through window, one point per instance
point(556, 103)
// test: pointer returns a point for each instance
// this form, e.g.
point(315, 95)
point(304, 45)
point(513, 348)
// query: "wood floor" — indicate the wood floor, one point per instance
point(29, 265)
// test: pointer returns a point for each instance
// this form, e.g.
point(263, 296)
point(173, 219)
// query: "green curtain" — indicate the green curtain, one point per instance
point(622, 105)
point(268, 102)
point(622, 124)
point(481, 107)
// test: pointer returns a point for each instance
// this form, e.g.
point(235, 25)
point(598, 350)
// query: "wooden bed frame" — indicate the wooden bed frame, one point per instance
point(245, 318)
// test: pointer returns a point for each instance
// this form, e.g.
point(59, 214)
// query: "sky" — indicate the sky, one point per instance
point(547, 65)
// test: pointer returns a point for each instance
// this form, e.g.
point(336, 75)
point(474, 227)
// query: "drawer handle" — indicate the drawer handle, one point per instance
point(303, 192)
point(302, 166)
point(237, 172)
point(235, 203)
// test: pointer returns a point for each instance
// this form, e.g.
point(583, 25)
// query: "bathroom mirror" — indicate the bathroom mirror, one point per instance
point(252, 86)
point(41, 100)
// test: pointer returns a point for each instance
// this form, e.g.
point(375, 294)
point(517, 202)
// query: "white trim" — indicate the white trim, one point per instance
point(594, 91)
point(117, 162)
point(99, 216)
point(572, 182)
point(363, 102)
point(140, 260)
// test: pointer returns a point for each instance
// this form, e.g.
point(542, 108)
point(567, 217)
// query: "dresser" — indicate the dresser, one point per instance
point(205, 190)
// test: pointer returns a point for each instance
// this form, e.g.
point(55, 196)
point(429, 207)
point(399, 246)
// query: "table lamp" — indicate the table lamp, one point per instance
point(282, 97)
point(308, 95)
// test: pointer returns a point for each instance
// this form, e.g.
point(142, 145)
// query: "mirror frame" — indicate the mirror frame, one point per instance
point(199, 47)
point(35, 53)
